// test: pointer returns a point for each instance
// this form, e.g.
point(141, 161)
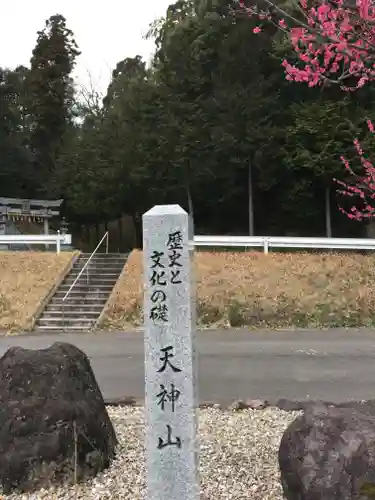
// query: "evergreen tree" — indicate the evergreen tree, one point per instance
point(51, 99)
point(16, 177)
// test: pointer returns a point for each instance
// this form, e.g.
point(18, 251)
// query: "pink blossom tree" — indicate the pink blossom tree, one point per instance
point(334, 41)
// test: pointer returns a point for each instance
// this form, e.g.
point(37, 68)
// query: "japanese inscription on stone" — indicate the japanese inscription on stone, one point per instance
point(171, 441)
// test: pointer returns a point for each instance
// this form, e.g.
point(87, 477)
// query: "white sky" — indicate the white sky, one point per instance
point(106, 32)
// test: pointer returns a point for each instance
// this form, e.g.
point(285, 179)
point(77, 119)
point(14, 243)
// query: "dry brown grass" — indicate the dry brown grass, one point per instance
point(256, 290)
point(25, 280)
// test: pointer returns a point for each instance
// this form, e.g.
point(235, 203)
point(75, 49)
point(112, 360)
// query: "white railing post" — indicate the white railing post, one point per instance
point(58, 242)
point(265, 245)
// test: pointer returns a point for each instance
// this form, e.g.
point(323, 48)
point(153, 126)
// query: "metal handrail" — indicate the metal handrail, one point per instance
point(85, 266)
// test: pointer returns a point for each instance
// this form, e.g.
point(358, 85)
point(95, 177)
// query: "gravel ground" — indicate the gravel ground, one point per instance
point(238, 458)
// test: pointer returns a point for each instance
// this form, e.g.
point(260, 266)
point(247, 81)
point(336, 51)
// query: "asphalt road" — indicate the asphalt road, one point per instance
point(332, 365)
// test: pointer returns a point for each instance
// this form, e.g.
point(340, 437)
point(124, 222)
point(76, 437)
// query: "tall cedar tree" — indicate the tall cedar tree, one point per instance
point(51, 98)
point(16, 165)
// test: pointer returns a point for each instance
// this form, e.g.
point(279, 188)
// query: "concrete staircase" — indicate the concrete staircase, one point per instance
point(86, 300)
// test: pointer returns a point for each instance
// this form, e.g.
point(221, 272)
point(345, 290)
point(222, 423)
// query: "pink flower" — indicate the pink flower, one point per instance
point(338, 48)
point(343, 34)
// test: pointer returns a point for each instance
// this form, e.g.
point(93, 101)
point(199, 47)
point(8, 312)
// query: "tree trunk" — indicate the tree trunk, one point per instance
point(103, 245)
point(251, 207)
point(191, 213)
point(328, 213)
point(97, 233)
point(137, 221)
point(120, 234)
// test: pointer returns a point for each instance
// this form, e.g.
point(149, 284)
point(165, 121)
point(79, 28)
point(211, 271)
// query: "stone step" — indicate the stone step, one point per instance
point(67, 317)
point(76, 295)
point(69, 313)
point(104, 255)
point(91, 271)
point(91, 284)
point(92, 274)
point(74, 312)
point(76, 269)
point(59, 328)
point(68, 321)
point(77, 304)
point(101, 261)
point(86, 286)
point(113, 263)
point(84, 298)
point(114, 268)
point(90, 287)
point(79, 299)
point(72, 306)
point(96, 270)
point(93, 277)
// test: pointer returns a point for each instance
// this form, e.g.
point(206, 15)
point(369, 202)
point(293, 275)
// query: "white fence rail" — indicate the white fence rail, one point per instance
point(267, 242)
point(37, 239)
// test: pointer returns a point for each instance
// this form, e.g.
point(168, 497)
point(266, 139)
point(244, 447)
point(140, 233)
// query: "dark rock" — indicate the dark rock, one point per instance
point(288, 405)
point(328, 453)
point(256, 404)
point(365, 407)
point(125, 401)
point(53, 418)
point(238, 405)
point(209, 404)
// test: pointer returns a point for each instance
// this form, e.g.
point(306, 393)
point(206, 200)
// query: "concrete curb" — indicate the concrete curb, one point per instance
point(253, 404)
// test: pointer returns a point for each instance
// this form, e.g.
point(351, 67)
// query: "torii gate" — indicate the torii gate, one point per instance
point(18, 209)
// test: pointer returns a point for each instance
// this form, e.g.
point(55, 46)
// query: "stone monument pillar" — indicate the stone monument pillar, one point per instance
point(170, 369)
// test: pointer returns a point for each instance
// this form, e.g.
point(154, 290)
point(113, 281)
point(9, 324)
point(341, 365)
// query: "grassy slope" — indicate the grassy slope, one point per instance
point(256, 290)
point(25, 280)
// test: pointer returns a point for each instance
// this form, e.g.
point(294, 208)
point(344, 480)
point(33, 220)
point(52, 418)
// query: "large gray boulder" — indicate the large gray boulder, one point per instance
point(328, 453)
point(53, 422)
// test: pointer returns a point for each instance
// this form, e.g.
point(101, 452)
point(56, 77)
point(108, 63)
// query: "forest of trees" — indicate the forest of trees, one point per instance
point(212, 124)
